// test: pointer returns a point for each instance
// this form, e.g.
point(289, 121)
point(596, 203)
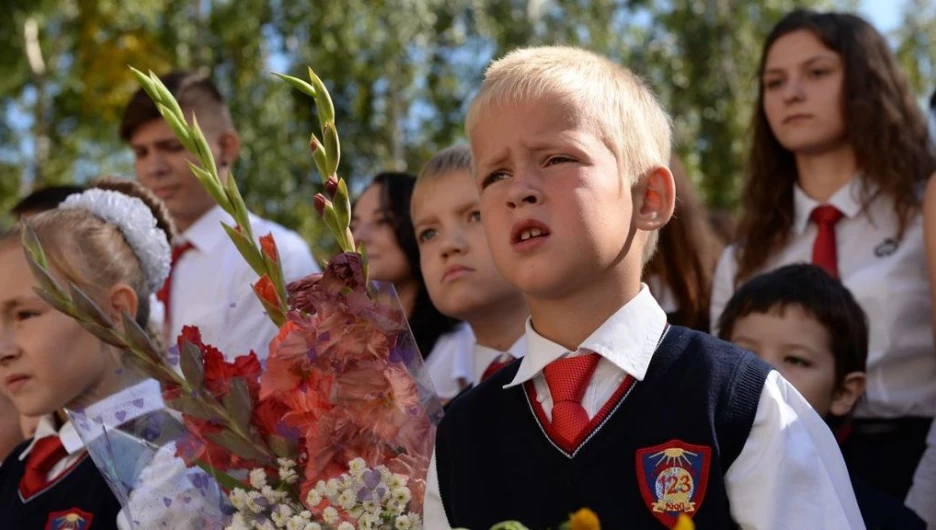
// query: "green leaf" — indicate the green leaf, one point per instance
point(46, 282)
point(193, 364)
point(60, 304)
point(238, 445)
point(87, 308)
point(178, 126)
point(323, 101)
point(33, 246)
point(297, 83)
point(247, 248)
point(213, 185)
point(105, 334)
point(239, 213)
point(224, 480)
point(332, 148)
point(195, 407)
point(319, 156)
point(140, 340)
point(362, 250)
point(166, 98)
point(237, 403)
point(343, 204)
point(282, 447)
point(203, 150)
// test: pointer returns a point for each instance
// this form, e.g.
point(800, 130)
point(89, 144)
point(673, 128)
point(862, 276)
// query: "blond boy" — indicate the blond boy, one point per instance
point(611, 408)
point(456, 262)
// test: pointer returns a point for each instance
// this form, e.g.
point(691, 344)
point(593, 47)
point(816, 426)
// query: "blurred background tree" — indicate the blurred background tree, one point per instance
point(401, 72)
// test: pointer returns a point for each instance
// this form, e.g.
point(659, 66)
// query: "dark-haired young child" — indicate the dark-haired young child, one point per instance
point(810, 328)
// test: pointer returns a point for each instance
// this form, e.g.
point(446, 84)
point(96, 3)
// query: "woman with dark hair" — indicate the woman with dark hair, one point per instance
point(839, 155)
point(381, 219)
point(680, 273)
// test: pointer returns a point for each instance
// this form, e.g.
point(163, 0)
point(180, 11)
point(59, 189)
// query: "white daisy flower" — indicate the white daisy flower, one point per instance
point(403, 522)
point(401, 495)
point(330, 515)
point(357, 467)
point(346, 526)
point(258, 478)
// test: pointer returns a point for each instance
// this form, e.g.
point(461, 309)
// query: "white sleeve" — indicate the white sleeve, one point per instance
point(790, 473)
point(922, 494)
point(722, 286)
point(295, 256)
point(433, 511)
point(167, 498)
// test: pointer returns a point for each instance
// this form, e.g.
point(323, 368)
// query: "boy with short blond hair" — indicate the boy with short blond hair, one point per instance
point(456, 262)
point(611, 408)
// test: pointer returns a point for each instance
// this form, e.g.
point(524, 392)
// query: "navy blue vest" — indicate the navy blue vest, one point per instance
point(663, 446)
point(80, 498)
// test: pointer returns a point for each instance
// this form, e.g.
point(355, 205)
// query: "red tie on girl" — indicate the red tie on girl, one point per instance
point(46, 452)
point(163, 294)
point(567, 380)
point(823, 254)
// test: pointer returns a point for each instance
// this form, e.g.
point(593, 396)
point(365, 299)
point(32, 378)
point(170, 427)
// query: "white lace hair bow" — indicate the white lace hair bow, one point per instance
point(136, 222)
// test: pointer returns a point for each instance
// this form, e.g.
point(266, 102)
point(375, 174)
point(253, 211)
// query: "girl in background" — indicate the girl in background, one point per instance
point(381, 219)
point(839, 155)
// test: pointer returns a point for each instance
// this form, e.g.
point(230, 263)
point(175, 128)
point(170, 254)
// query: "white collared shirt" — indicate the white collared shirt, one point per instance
point(923, 491)
point(212, 285)
point(889, 281)
point(484, 356)
point(449, 364)
point(789, 474)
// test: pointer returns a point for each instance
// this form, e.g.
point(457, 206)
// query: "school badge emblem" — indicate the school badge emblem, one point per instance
point(672, 478)
point(73, 519)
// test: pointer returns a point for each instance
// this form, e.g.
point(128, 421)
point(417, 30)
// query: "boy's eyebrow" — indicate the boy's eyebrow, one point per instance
point(428, 219)
point(807, 62)
point(19, 300)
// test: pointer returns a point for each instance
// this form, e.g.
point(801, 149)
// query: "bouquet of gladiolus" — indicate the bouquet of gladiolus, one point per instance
point(335, 432)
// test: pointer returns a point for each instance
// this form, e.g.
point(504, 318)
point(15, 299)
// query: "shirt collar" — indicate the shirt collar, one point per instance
point(847, 199)
point(123, 406)
point(484, 356)
point(627, 339)
point(46, 427)
point(206, 233)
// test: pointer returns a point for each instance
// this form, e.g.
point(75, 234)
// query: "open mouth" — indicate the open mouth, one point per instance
point(529, 233)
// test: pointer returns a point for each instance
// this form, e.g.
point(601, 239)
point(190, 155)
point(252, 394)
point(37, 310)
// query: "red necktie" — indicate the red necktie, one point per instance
point(823, 254)
point(498, 363)
point(567, 380)
point(163, 294)
point(46, 452)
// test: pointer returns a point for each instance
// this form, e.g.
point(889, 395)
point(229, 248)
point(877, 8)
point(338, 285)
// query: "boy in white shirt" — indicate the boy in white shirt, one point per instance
point(611, 408)
point(210, 283)
point(456, 262)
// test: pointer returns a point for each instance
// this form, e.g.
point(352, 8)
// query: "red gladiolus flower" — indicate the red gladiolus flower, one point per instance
point(268, 247)
point(267, 291)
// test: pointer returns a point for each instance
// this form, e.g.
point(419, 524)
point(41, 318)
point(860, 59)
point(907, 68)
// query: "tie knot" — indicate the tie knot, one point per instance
point(568, 378)
point(826, 214)
point(178, 250)
point(46, 452)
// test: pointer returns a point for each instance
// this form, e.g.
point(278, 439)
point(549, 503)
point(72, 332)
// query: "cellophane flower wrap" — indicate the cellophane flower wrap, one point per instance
point(333, 430)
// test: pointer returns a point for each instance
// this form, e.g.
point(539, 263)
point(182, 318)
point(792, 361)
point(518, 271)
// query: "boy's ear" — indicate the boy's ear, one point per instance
point(654, 199)
point(122, 298)
point(848, 393)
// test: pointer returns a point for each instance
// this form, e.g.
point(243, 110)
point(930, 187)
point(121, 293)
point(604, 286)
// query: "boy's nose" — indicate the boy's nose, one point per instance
point(454, 243)
point(523, 191)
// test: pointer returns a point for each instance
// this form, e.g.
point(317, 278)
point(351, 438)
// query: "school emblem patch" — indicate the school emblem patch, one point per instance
point(73, 519)
point(672, 478)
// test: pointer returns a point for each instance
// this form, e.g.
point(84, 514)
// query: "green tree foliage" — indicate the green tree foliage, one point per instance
point(401, 72)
